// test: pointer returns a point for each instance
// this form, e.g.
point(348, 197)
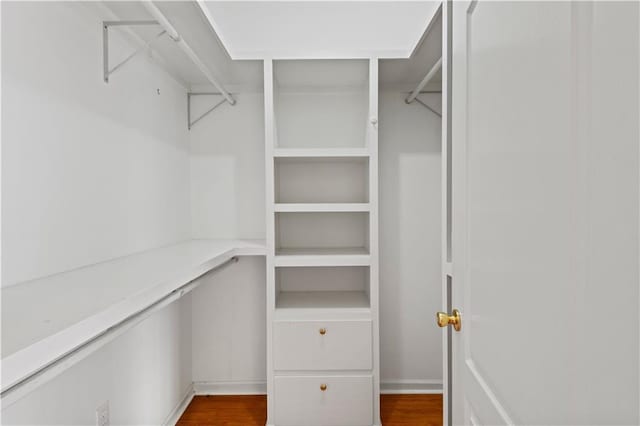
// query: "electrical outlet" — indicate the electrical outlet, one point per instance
point(102, 414)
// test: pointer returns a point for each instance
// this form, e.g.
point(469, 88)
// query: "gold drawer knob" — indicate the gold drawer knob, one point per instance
point(323, 387)
point(323, 331)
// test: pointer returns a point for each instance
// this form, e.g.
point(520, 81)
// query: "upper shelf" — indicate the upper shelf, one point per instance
point(189, 21)
point(44, 319)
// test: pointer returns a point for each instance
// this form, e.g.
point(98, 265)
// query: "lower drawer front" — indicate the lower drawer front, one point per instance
point(323, 400)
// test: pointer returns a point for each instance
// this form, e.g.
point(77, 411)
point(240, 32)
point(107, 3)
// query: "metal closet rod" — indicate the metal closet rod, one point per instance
point(427, 78)
point(171, 31)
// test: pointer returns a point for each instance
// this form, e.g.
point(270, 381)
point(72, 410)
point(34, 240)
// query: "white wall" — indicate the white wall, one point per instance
point(410, 287)
point(229, 328)
point(144, 374)
point(90, 172)
point(227, 169)
point(228, 201)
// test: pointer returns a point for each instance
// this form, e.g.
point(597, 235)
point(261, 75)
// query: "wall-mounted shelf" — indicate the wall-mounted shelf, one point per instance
point(40, 333)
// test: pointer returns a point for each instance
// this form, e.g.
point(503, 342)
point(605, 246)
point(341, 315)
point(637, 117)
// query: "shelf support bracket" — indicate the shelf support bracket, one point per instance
point(105, 44)
point(427, 78)
point(190, 123)
point(427, 107)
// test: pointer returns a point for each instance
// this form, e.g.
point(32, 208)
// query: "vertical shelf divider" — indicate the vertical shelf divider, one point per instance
point(270, 143)
point(372, 143)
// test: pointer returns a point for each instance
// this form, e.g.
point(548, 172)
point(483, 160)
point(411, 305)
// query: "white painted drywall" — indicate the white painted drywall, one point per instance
point(90, 172)
point(144, 374)
point(227, 169)
point(410, 291)
point(229, 328)
point(228, 201)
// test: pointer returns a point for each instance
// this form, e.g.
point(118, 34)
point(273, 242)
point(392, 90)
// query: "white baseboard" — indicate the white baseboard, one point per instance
point(259, 387)
point(390, 387)
point(179, 409)
point(241, 387)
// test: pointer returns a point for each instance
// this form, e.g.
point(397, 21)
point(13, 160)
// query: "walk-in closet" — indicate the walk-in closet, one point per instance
point(319, 213)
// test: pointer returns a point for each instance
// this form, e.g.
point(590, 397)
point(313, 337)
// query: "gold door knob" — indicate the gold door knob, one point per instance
point(323, 387)
point(323, 331)
point(445, 319)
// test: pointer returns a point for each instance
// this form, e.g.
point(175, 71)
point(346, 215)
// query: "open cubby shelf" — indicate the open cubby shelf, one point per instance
point(321, 180)
point(321, 103)
point(322, 287)
point(322, 233)
point(322, 300)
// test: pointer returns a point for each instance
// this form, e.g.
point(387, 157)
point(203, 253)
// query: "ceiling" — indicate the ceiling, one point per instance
point(319, 29)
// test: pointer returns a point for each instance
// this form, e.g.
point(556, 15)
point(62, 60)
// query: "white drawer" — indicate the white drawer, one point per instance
point(301, 345)
point(346, 401)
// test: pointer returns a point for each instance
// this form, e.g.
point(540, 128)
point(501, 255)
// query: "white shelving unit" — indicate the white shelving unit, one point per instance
point(322, 241)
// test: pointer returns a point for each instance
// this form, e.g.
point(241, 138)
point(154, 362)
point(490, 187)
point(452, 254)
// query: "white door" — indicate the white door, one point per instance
point(545, 212)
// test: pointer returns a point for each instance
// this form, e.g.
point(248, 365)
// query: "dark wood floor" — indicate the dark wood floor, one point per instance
point(250, 410)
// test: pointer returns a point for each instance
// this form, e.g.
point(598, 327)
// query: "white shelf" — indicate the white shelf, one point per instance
point(322, 300)
point(44, 319)
point(320, 152)
point(347, 256)
point(322, 207)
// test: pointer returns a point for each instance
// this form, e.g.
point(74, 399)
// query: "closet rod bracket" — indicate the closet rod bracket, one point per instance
point(190, 123)
point(424, 104)
point(106, 70)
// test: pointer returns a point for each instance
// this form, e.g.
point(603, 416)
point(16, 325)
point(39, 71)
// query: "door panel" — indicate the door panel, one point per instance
point(545, 223)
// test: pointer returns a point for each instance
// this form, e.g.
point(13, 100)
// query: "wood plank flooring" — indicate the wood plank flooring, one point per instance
point(251, 410)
